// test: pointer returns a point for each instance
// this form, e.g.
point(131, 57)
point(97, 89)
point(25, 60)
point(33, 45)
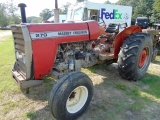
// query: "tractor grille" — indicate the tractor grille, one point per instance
point(19, 45)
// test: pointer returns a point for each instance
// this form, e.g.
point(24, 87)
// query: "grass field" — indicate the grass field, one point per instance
point(114, 98)
point(3, 31)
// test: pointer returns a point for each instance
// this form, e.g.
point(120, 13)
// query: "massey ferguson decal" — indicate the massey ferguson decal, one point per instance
point(42, 35)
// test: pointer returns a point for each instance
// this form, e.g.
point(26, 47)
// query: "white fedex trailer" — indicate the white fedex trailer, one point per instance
point(110, 13)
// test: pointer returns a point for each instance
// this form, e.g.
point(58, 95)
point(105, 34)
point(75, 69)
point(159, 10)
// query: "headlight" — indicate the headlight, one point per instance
point(20, 57)
point(24, 59)
point(17, 54)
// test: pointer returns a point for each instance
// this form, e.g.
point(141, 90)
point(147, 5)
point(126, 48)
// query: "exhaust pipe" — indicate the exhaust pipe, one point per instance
point(23, 13)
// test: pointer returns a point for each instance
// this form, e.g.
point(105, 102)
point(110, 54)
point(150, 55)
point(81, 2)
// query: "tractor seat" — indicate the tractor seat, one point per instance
point(112, 28)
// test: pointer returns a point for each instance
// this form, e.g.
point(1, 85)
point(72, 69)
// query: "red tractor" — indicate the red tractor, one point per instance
point(63, 49)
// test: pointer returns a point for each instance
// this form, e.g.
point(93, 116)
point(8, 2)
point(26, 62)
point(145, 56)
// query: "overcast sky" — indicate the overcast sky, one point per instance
point(34, 7)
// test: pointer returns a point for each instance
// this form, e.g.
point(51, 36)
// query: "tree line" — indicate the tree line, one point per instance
point(147, 8)
point(8, 14)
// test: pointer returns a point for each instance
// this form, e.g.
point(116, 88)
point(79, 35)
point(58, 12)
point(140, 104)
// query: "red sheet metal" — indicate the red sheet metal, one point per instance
point(122, 36)
point(93, 29)
point(44, 49)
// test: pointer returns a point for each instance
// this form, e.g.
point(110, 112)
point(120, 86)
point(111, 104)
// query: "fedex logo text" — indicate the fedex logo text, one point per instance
point(111, 15)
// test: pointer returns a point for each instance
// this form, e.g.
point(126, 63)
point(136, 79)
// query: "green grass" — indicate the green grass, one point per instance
point(142, 93)
point(9, 106)
point(121, 87)
point(137, 106)
point(2, 31)
point(6, 64)
point(158, 58)
point(7, 85)
point(31, 115)
point(154, 84)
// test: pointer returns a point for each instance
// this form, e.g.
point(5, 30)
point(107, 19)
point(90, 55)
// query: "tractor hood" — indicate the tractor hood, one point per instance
point(36, 44)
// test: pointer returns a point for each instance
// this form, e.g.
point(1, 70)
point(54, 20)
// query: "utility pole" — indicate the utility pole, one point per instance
point(56, 12)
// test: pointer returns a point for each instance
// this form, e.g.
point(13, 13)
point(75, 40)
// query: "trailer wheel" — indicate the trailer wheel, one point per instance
point(71, 96)
point(154, 54)
point(158, 47)
point(135, 56)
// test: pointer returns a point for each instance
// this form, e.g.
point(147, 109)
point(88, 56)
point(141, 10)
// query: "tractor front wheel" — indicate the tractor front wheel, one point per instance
point(135, 56)
point(71, 96)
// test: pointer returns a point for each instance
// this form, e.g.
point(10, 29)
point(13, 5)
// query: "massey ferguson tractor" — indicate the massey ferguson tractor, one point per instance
point(62, 49)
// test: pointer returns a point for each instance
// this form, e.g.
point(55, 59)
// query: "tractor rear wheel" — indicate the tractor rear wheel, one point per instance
point(71, 96)
point(135, 56)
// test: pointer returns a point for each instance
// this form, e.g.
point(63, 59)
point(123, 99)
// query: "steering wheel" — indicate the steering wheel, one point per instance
point(101, 23)
point(98, 19)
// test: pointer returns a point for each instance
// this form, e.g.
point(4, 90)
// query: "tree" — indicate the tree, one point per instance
point(155, 16)
point(3, 15)
point(46, 14)
point(12, 8)
point(8, 14)
point(144, 8)
point(3, 20)
point(14, 19)
point(107, 2)
point(80, 0)
point(122, 2)
point(156, 6)
point(34, 19)
point(156, 11)
point(64, 8)
point(140, 7)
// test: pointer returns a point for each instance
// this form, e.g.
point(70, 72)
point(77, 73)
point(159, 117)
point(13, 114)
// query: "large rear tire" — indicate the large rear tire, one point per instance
point(71, 96)
point(135, 56)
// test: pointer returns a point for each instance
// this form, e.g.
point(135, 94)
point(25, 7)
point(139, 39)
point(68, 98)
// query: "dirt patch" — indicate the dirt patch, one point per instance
point(3, 34)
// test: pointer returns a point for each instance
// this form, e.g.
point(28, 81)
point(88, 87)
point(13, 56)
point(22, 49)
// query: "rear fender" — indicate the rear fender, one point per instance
point(122, 36)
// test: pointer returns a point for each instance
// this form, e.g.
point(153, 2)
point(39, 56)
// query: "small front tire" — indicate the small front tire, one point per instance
point(71, 96)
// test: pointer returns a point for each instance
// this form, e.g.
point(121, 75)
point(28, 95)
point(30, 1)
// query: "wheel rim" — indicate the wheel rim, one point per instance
point(77, 99)
point(144, 58)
